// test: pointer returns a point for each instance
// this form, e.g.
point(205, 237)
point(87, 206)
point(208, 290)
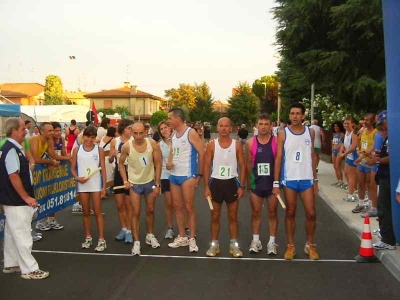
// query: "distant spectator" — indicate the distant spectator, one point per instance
point(28, 125)
point(35, 130)
point(243, 133)
point(156, 136)
point(207, 134)
point(71, 133)
point(102, 130)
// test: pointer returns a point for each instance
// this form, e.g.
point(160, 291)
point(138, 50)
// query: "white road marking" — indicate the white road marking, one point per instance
point(196, 257)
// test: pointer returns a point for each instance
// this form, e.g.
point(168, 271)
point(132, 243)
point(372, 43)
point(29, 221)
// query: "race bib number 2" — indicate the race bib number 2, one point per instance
point(225, 171)
point(298, 157)
point(263, 169)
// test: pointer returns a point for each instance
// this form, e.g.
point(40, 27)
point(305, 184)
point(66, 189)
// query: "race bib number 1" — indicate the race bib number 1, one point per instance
point(144, 161)
point(263, 169)
point(225, 171)
point(298, 157)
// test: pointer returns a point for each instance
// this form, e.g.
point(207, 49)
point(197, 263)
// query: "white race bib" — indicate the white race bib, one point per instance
point(364, 145)
point(298, 157)
point(225, 171)
point(263, 169)
point(144, 161)
point(176, 151)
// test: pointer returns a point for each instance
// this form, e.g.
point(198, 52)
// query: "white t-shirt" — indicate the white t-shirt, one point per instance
point(255, 131)
point(101, 132)
point(318, 136)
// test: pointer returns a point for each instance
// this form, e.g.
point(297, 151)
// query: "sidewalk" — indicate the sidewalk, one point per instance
point(334, 198)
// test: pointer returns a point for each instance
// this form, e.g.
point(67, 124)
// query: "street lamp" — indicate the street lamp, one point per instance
point(265, 88)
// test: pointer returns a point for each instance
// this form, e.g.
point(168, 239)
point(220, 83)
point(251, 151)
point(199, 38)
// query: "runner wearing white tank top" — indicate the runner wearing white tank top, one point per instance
point(296, 160)
point(225, 156)
point(85, 160)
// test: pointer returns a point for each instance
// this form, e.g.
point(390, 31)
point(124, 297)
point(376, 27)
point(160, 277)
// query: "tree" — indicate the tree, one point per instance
point(157, 117)
point(203, 111)
point(244, 105)
point(53, 91)
point(123, 110)
point(266, 89)
point(185, 95)
point(336, 44)
point(106, 111)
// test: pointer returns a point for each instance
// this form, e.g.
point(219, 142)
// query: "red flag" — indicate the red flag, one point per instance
point(94, 110)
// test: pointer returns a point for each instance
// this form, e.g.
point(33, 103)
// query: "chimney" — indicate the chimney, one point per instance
point(127, 84)
point(133, 89)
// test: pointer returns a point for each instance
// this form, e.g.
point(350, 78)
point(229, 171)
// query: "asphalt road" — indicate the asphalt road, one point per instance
point(177, 274)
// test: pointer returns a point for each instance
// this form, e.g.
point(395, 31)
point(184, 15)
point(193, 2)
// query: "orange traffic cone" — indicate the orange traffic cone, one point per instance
point(367, 253)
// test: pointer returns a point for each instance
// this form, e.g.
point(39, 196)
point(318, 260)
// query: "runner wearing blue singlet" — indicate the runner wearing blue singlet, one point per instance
point(337, 142)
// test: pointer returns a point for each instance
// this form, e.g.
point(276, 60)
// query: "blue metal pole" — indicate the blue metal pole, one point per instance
point(391, 25)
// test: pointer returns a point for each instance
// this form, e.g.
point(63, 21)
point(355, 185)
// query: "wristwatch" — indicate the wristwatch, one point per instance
point(156, 185)
point(242, 186)
point(200, 175)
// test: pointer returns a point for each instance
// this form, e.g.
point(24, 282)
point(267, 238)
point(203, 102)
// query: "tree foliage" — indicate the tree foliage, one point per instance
point(53, 91)
point(157, 117)
point(123, 110)
point(244, 105)
point(336, 44)
point(203, 111)
point(266, 89)
point(185, 95)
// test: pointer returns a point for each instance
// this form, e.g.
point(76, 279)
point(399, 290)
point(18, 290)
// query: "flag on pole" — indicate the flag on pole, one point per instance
point(123, 115)
point(34, 113)
point(94, 110)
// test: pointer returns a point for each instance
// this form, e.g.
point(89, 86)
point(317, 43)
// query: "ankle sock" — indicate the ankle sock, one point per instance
point(256, 237)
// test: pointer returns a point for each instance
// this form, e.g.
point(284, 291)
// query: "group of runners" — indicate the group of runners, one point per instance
point(176, 165)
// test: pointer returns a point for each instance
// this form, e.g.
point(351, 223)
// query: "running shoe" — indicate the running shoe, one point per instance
point(213, 250)
point(152, 241)
point(371, 212)
point(349, 198)
point(335, 184)
point(128, 237)
point(9, 270)
point(121, 235)
point(290, 252)
point(383, 246)
point(101, 246)
point(87, 243)
point(169, 234)
point(136, 248)
point(272, 248)
point(311, 250)
point(77, 208)
point(359, 209)
point(38, 274)
point(179, 242)
point(234, 250)
point(53, 224)
point(255, 246)
point(36, 236)
point(193, 246)
point(42, 225)
point(377, 232)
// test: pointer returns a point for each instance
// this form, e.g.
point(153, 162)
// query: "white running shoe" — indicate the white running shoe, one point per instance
point(179, 242)
point(136, 248)
point(271, 248)
point(169, 234)
point(255, 246)
point(193, 246)
point(152, 241)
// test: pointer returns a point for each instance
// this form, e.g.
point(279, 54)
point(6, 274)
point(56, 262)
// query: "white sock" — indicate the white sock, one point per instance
point(50, 219)
point(360, 202)
point(128, 231)
point(370, 203)
point(256, 237)
point(124, 229)
point(271, 239)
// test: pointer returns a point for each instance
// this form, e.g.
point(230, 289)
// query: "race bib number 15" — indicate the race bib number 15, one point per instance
point(263, 169)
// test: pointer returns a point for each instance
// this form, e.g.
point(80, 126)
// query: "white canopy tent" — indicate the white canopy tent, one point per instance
point(56, 113)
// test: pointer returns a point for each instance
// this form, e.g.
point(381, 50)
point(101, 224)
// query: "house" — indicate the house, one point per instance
point(221, 107)
point(23, 93)
point(140, 104)
point(76, 98)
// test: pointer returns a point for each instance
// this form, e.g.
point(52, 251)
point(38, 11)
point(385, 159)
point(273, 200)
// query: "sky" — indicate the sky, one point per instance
point(152, 44)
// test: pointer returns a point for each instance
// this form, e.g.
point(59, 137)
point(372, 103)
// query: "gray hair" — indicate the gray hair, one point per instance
point(12, 123)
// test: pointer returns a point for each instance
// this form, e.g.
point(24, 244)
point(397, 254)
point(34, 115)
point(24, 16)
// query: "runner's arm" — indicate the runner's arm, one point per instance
point(249, 166)
point(157, 157)
point(34, 144)
point(121, 163)
point(199, 146)
point(208, 158)
point(103, 171)
point(242, 168)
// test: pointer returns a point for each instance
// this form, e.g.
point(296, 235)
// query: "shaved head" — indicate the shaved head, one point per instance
point(225, 119)
point(139, 126)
